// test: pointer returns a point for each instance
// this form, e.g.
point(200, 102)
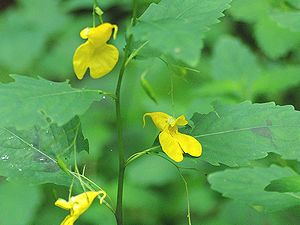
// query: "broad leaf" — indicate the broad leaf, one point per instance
point(236, 134)
point(247, 184)
point(28, 102)
point(232, 60)
point(32, 155)
point(175, 27)
point(285, 184)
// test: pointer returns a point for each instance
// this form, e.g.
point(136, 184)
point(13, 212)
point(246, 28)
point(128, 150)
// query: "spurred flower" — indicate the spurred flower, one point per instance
point(78, 205)
point(174, 143)
point(95, 53)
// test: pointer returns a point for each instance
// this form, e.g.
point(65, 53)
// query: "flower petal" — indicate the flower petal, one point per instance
point(61, 203)
point(170, 146)
point(84, 33)
point(99, 35)
point(189, 144)
point(81, 59)
point(180, 121)
point(85, 199)
point(160, 119)
point(77, 205)
point(103, 60)
point(115, 31)
point(69, 220)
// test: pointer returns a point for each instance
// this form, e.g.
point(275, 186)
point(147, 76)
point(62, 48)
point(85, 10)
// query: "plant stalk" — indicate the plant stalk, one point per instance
point(122, 162)
point(119, 209)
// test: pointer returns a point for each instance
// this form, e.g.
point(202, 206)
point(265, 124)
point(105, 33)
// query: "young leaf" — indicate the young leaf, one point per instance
point(285, 184)
point(31, 102)
point(247, 184)
point(32, 154)
point(236, 134)
point(175, 27)
point(147, 87)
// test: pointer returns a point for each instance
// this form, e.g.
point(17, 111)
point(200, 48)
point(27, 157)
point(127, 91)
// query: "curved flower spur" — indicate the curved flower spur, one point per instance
point(95, 53)
point(172, 142)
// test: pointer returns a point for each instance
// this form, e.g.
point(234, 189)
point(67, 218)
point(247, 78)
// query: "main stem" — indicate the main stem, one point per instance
point(119, 209)
point(122, 163)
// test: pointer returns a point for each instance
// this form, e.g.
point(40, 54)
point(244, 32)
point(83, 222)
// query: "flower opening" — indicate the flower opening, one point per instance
point(172, 142)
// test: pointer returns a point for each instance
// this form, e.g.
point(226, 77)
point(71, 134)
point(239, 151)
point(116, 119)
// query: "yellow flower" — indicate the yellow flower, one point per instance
point(173, 143)
point(78, 205)
point(95, 53)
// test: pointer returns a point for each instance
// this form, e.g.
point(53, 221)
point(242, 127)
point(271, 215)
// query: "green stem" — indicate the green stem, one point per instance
point(95, 5)
point(186, 188)
point(94, 13)
point(122, 165)
point(119, 209)
point(139, 154)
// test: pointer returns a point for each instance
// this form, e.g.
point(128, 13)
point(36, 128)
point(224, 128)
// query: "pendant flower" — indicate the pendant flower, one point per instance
point(95, 53)
point(173, 143)
point(78, 205)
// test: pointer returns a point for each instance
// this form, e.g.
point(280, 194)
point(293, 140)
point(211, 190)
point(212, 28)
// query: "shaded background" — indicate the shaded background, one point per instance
point(38, 38)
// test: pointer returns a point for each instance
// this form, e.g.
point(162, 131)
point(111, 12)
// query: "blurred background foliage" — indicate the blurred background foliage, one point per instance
point(252, 54)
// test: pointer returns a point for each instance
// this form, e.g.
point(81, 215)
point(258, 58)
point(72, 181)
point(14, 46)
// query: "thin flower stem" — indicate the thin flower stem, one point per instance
point(135, 52)
point(95, 5)
point(139, 154)
point(98, 187)
point(94, 13)
point(153, 150)
point(186, 188)
point(187, 197)
point(119, 208)
point(88, 186)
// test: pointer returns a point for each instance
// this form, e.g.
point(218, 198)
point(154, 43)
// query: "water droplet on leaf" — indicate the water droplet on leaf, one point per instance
point(5, 157)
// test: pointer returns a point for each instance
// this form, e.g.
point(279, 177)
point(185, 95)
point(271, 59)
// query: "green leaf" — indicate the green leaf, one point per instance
point(285, 184)
point(148, 88)
point(232, 60)
point(275, 40)
point(290, 20)
point(247, 184)
point(28, 102)
point(243, 214)
point(31, 155)
point(236, 134)
point(175, 27)
point(249, 10)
